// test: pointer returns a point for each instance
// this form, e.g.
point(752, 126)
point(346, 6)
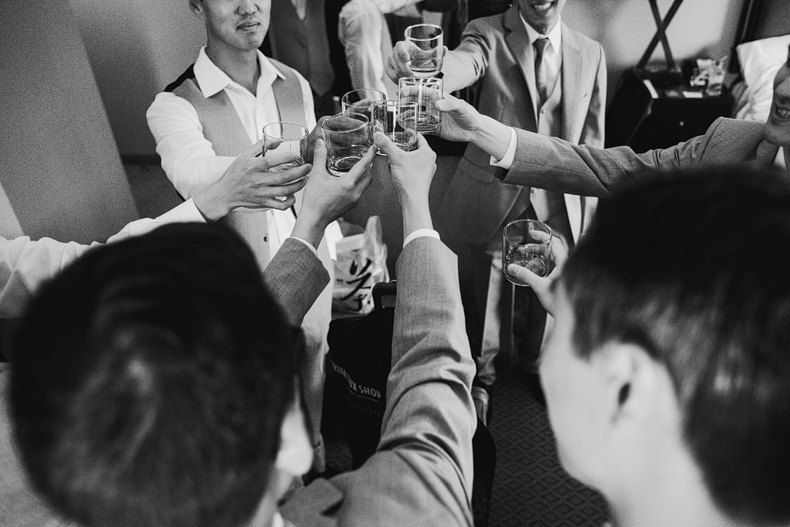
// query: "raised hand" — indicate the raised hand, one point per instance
point(543, 285)
point(328, 197)
point(249, 183)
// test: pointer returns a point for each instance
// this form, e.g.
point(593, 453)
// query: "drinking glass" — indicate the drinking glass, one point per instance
point(347, 139)
point(425, 43)
point(361, 101)
point(398, 121)
point(527, 243)
point(282, 138)
point(424, 91)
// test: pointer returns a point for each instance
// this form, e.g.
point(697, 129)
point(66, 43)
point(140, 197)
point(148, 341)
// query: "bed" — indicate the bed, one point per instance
point(761, 47)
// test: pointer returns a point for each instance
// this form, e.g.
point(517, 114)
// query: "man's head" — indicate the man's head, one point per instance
point(153, 383)
point(669, 366)
point(233, 24)
point(777, 129)
point(541, 14)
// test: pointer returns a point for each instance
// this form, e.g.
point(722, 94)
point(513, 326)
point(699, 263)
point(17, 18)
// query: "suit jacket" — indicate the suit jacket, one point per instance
point(493, 57)
point(421, 474)
point(549, 163)
point(299, 277)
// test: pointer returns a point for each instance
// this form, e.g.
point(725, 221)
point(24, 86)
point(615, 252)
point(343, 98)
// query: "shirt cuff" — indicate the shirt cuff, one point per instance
point(186, 212)
point(507, 160)
point(419, 233)
point(309, 246)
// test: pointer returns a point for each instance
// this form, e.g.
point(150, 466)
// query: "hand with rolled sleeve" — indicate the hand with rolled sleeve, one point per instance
point(461, 122)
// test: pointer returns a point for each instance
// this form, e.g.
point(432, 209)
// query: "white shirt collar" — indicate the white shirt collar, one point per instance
point(780, 159)
point(213, 80)
point(554, 34)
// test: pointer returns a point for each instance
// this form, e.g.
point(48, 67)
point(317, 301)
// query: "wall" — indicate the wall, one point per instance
point(136, 48)
point(60, 173)
point(625, 27)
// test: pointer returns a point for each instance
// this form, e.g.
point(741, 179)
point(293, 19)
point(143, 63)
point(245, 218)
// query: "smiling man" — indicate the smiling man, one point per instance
point(667, 375)
point(215, 110)
point(528, 70)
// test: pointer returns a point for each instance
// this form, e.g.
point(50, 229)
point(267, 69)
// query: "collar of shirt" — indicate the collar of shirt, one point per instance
point(780, 160)
point(554, 34)
point(213, 80)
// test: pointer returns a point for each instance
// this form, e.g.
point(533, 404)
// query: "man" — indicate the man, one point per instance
point(215, 110)
point(188, 413)
point(247, 182)
point(531, 71)
point(554, 164)
point(667, 375)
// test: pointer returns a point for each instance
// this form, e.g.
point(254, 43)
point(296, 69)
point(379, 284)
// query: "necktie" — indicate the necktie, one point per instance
point(541, 82)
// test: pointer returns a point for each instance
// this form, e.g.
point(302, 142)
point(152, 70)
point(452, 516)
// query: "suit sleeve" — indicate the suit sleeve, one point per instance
point(467, 63)
point(557, 165)
point(430, 418)
point(295, 277)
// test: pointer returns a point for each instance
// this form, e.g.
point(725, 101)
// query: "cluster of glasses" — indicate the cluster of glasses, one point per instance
point(349, 134)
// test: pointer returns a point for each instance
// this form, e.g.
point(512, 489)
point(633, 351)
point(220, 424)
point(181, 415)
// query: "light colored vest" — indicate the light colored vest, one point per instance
point(221, 126)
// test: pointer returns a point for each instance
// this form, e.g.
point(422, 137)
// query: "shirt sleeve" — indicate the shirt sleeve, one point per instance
point(507, 160)
point(419, 233)
point(186, 212)
point(188, 158)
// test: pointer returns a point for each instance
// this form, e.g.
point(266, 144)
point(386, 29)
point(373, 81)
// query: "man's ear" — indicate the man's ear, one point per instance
point(196, 6)
point(295, 456)
point(635, 383)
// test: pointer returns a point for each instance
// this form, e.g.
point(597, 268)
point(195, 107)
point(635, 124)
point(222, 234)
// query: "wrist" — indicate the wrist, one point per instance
point(309, 229)
point(211, 204)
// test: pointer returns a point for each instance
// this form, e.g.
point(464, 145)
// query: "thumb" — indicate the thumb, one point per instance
point(254, 150)
point(319, 153)
point(385, 144)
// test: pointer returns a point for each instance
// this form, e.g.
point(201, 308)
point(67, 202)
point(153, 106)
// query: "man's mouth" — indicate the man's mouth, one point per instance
point(542, 7)
point(782, 112)
point(249, 26)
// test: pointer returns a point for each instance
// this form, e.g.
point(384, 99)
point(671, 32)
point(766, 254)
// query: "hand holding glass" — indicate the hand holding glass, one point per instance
point(398, 121)
point(347, 139)
point(285, 140)
point(526, 243)
point(425, 43)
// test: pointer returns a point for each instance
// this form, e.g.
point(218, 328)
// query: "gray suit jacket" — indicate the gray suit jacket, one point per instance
point(557, 165)
point(421, 474)
point(493, 57)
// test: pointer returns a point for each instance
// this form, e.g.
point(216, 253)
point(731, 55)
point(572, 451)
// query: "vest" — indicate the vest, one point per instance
point(221, 126)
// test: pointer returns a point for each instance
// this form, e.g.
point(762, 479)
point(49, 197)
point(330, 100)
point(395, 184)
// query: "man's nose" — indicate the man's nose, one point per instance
point(247, 7)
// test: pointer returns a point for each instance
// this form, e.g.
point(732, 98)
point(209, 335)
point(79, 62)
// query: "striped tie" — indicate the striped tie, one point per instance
point(540, 70)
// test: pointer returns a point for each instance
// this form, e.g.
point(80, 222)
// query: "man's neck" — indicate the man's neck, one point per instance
point(241, 66)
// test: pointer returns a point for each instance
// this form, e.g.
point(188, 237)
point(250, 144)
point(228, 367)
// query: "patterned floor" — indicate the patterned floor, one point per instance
point(530, 487)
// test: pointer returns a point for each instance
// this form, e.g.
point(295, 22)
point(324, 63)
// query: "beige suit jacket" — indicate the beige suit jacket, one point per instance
point(492, 58)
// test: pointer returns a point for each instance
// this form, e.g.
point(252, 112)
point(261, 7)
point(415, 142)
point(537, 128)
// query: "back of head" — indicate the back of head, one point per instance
point(694, 267)
point(149, 381)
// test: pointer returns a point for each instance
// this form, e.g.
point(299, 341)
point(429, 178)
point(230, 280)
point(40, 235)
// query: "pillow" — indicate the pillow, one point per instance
point(760, 60)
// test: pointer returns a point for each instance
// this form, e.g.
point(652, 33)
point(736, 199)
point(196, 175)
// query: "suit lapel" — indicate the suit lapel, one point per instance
point(518, 42)
point(571, 75)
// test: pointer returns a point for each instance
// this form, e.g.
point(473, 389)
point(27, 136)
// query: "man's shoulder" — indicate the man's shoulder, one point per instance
point(189, 74)
point(581, 40)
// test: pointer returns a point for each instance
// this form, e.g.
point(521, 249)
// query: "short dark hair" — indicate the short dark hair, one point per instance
point(150, 379)
point(695, 268)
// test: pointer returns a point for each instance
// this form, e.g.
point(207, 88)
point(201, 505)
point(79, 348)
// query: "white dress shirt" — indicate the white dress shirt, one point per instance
point(188, 158)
